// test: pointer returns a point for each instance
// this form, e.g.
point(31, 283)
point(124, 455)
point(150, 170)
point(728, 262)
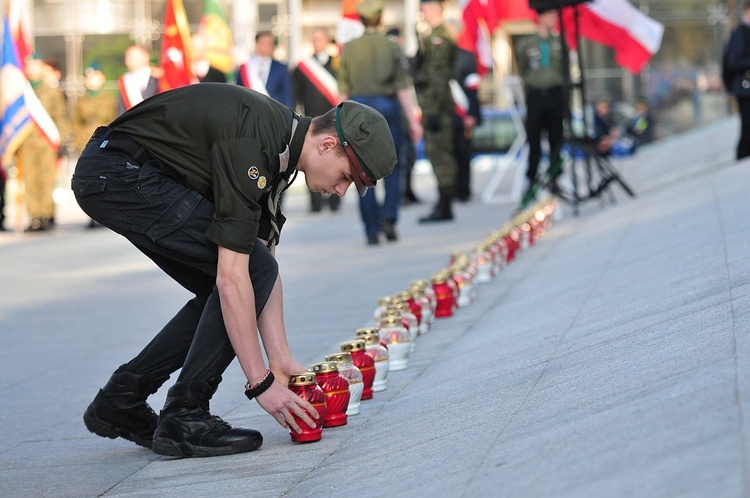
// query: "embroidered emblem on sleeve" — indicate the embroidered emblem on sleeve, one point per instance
point(253, 172)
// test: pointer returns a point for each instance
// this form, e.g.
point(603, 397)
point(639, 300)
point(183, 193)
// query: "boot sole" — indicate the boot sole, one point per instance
point(172, 448)
point(103, 429)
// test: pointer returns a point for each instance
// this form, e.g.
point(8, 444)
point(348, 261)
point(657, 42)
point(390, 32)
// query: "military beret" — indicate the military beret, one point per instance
point(367, 140)
point(370, 9)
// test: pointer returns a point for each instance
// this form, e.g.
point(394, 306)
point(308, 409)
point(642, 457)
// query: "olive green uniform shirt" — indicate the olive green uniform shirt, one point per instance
point(371, 65)
point(540, 61)
point(234, 146)
point(436, 65)
point(91, 111)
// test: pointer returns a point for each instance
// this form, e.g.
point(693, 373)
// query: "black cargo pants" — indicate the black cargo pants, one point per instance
point(120, 186)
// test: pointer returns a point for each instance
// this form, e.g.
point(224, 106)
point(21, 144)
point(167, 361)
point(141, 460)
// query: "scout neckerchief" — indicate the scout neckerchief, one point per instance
point(321, 79)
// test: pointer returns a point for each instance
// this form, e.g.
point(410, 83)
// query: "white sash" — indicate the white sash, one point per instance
point(252, 80)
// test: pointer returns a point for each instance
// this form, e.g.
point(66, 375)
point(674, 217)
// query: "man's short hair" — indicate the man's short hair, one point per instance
point(261, 34)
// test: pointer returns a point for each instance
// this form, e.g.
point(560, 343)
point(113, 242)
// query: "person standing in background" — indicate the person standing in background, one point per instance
point(738, 62)
point(264, 74)
point(138, 83)
point(540, 65)
point(372, 73)
point(407, 154)
point(96, 107)
point(468, 112)
point(38, 157)
point(201, 66)
point(436, 65)
point(316, 92)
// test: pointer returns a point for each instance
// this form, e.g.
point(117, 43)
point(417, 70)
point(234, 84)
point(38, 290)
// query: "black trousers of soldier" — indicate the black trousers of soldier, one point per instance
point(743, 146)
point(545, 111)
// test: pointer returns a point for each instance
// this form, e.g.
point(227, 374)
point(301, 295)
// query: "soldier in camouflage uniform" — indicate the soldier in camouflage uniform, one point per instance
point(38, 157)
point(95, 108)
point(435, 67)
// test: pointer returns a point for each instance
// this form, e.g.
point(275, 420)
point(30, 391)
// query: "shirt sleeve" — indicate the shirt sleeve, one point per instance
point(240, 177)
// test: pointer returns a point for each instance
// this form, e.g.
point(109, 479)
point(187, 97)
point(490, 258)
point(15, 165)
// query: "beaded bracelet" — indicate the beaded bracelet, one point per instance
point(261, 387)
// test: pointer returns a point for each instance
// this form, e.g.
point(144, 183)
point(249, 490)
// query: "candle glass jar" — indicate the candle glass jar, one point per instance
point(336, 390)
point(351, 373)
point(356, 348)
point(379, 354)
point(305, 386)
point(393, 332)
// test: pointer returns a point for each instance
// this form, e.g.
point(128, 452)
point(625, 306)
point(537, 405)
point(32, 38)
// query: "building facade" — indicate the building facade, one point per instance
point(681, 83)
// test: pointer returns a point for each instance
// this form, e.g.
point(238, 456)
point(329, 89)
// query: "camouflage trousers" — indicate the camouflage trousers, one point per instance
point(38, 170)
point(438, 142)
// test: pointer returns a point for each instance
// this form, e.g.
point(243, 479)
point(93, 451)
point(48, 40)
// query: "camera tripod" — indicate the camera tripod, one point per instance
point(591, 172)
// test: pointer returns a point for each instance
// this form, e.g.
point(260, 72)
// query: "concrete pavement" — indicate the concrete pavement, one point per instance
point(609, 359)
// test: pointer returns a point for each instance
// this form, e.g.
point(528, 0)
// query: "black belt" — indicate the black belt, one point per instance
point(116, 140)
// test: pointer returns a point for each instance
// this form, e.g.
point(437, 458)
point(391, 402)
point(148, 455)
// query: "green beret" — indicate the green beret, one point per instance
point(366, 131)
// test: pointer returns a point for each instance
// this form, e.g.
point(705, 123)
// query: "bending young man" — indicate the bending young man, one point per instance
point(192, 177)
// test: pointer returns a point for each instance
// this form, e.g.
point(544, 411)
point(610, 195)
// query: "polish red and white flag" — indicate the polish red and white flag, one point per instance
point(634, 36)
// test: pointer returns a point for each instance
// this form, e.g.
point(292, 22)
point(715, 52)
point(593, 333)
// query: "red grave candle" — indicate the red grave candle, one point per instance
point(305, 386)
point(336, 390)
point(365, 364)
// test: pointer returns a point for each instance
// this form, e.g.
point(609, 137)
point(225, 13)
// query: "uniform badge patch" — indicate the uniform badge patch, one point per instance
point(262, 182)
point(253, 172)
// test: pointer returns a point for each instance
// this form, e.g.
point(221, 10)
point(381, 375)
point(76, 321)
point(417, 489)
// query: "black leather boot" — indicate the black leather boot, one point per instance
point(120, 408)
point(187, 429)
point(442, 211)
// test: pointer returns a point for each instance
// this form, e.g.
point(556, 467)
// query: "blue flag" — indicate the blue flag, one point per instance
point(15, 118)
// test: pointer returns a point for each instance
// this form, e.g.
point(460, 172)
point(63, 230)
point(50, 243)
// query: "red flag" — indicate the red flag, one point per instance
point(513, 10)
point(480, 20)
point(175, 48)
point(633, 35)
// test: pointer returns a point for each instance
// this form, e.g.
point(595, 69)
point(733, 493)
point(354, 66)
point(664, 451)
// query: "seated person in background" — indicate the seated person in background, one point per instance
point(640, 130)
point(605, 134)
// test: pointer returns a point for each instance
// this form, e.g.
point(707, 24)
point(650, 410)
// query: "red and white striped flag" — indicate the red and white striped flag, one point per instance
point(480, 21)
point(633, 35)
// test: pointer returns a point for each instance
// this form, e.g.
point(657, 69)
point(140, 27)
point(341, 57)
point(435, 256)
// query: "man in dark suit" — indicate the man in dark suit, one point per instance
point(202, 69)
point(138, 83)
point(265, 74)
point(468, 114)
point(316, 91)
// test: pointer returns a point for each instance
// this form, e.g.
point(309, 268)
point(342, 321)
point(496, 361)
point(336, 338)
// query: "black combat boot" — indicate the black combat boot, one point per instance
point(187, 429)
point(120, 408)
point(442, 211)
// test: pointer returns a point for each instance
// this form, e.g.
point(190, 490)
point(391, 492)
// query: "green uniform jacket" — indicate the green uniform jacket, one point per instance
point(232, 145)
point(91, 111)
point(436, 63)
point(535, 71)
point(54, 103)
point(371, 65)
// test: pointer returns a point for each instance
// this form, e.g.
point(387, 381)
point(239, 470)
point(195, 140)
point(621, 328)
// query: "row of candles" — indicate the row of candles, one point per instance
point(337, 386)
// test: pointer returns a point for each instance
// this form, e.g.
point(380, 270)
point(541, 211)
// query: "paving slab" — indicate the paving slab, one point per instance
point(609, 359)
